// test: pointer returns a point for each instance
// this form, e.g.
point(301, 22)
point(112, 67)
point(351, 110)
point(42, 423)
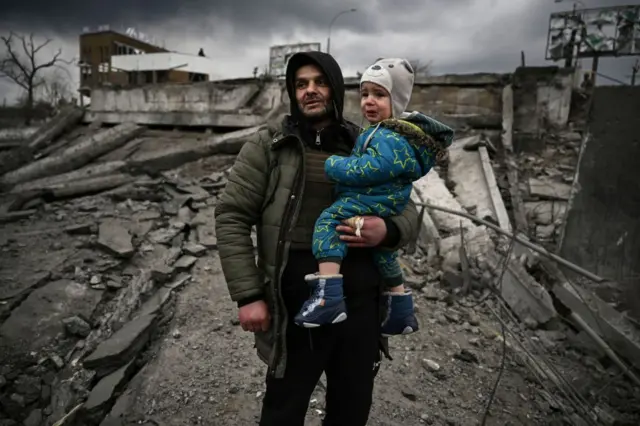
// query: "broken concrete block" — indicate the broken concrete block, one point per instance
point(161, 273)
point(76, 326)
point(207, 236)
point(429, 235)
point(166, 235)
point(545, 212)
point(114, 237)
point(47, 307)
point(528, 300)
point(197, 193)
point(433, 190)
point(549, 190)
point(75, 156)
point(179, 281)
point(122, 347)
point(185, 262)
point(107, 388)
point(545, 232)
point(194, 249)
point(465, 170)
point(80, 229)
point(17, 288)
point(156, 302)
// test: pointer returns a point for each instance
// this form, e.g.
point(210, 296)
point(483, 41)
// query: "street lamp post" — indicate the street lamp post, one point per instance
point(331, 25)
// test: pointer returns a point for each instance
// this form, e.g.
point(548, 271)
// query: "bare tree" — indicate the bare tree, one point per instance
point(20, 64)
point(55, 90)
point(420, 68)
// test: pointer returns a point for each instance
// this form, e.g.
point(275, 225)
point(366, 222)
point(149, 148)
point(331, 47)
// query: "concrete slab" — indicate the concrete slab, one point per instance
point(122, 346)
point(465, 170)
point(75, 156)
point(433, 190)
point(106, 389)
point(205, 104)
point(547, 189)
point(115, 238)
point(176, 154)
point(38, 320)
point(545, 212)
point(177, 119)
point(11, 288)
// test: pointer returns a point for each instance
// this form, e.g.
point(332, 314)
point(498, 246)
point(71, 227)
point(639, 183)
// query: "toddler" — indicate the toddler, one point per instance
point(396, 149)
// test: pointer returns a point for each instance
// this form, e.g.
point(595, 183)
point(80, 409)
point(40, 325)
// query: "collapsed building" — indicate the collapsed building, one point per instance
point(107, 218)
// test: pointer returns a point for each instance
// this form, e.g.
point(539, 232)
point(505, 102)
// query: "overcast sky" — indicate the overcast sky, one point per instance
point(458, 36)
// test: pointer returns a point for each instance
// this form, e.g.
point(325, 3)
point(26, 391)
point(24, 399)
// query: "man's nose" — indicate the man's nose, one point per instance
point(312, 88)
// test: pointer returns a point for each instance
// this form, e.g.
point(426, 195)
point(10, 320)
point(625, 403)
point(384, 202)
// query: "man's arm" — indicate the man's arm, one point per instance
point(238, 209)
point(401, 229)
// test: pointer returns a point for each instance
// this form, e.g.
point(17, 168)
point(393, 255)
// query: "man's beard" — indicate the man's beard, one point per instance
point(316, 116)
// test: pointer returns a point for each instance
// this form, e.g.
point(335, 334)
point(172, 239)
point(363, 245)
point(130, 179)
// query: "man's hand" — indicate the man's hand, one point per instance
point(372, 233)
point(254, 316)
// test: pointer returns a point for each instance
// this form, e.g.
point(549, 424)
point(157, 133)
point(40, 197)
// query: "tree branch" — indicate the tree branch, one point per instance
point(24, 68)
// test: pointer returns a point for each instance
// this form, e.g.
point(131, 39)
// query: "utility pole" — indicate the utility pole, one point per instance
point(331, 25)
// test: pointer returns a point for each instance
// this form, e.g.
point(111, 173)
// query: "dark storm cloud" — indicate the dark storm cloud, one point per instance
point(247, 16)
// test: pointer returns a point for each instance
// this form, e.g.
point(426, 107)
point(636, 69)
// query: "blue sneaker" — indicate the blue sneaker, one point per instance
point(326, 304)
point(400, 316)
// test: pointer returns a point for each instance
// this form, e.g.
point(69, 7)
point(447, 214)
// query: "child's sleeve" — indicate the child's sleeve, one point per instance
point(388, 156)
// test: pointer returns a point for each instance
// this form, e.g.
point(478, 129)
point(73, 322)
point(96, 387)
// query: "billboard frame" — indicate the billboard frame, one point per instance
point(279, 55)
point(573, 48)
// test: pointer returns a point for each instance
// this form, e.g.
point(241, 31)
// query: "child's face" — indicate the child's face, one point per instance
point(375, 102)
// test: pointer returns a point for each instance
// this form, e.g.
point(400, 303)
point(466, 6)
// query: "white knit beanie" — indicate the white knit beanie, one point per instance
point(396, 76)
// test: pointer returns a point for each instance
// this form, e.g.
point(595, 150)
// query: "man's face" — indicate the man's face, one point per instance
point(312, 92)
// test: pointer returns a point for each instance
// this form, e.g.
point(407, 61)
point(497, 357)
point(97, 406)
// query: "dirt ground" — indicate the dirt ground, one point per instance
point(201, 368)
point(205, 371)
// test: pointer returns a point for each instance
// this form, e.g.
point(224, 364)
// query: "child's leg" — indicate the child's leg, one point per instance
point(401, 318)
point(326, 304)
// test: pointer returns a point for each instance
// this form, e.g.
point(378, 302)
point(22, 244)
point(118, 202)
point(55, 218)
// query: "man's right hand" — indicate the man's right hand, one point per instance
point(254, 316)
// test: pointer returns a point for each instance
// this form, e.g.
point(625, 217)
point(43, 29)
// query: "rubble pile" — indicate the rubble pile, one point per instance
point(78, 327)
point(97, 236)
point(546, 185)
point(106, 231)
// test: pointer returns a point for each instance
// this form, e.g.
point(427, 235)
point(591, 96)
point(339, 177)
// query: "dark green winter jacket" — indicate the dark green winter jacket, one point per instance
point(264, 188)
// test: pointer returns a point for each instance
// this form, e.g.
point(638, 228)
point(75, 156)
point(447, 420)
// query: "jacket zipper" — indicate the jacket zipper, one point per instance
point(283, 253)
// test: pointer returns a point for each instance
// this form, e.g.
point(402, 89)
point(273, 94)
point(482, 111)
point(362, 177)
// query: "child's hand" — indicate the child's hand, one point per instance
point(372, 233)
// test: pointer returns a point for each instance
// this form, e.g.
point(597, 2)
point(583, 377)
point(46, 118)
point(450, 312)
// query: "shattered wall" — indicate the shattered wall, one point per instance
point(602, 231)
point(541, 99)
point(218, 104)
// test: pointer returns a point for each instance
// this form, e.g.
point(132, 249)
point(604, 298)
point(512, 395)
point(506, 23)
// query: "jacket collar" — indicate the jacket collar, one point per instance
point(287, 131)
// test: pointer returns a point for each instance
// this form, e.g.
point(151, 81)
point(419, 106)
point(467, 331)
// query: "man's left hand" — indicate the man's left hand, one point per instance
point(372, 233)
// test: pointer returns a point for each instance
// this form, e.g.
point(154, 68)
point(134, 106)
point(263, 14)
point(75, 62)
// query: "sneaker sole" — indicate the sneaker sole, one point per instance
point(407, 330)
point(339, 318)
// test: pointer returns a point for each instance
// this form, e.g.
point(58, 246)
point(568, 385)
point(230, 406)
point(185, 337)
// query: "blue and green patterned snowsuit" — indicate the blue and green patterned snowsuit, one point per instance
point(377, 180)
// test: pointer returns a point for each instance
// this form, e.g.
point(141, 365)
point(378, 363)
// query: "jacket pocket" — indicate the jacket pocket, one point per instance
point(272, 184)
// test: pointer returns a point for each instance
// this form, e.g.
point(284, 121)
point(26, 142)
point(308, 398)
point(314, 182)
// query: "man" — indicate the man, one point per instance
point(277, 183)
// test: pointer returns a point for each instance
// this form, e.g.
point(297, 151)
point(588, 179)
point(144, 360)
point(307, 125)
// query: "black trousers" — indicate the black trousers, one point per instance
point(348, 352)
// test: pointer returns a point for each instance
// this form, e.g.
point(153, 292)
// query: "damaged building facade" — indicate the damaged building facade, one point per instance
point(109, 247)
